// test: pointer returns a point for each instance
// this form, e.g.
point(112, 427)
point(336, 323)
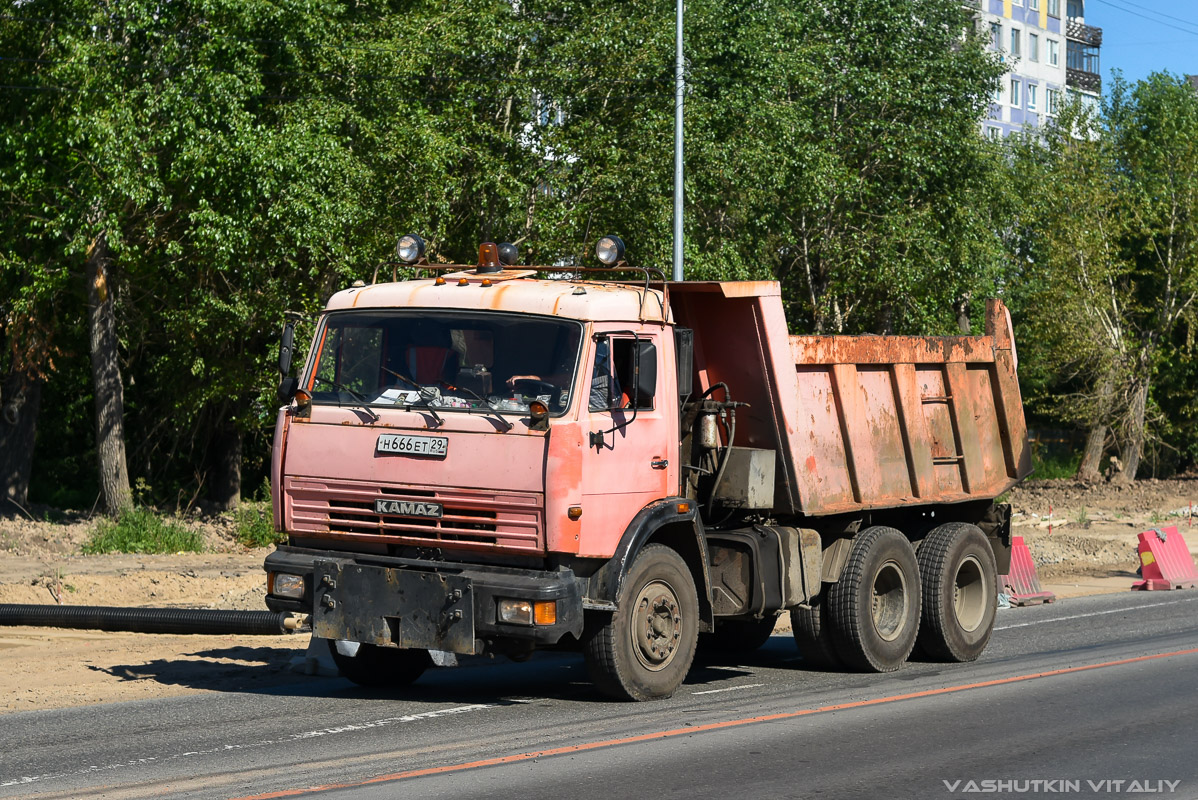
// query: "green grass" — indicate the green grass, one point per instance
point(1056, 465)
point(254, 525)
point(140, 530)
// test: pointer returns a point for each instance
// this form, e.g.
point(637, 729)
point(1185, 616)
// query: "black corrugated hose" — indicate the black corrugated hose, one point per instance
point(149, 620)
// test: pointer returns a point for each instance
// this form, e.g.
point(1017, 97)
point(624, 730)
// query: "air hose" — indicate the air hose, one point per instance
point(150, 620)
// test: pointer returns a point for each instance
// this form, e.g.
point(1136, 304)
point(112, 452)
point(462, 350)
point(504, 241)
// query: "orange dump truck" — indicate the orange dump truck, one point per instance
point(501, 458)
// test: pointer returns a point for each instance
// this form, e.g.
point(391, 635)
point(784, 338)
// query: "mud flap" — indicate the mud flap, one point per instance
point(393, 607)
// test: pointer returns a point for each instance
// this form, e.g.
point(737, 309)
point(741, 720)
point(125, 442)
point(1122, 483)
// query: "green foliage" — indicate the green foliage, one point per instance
point(141, 530)
point(255, 527)
point(1050, 465)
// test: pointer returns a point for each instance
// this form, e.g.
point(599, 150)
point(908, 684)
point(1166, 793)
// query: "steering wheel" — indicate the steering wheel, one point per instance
point(523, 385)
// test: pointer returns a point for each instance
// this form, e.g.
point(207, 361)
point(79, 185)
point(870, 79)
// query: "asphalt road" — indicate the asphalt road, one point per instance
point(1093, 697)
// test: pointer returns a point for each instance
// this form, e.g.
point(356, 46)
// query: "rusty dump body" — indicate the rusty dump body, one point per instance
point(862, 422)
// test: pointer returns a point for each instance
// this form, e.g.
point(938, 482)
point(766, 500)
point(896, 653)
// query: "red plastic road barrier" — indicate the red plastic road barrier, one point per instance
point(1021, 582)
point(1165, 561)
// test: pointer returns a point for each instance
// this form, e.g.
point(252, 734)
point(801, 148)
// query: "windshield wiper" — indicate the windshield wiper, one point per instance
point(362, 405)
point(425, 393)
point(507, 426)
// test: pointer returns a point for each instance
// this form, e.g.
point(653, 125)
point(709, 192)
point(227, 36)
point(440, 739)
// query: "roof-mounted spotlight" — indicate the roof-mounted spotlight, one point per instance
point(610, 250)
point(410, 248)
point(509, 254)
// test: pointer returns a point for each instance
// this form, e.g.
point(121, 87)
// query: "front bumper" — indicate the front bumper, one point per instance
point(433, 605)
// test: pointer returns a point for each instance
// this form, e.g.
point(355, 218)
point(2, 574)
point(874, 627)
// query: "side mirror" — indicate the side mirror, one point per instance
point(287, 386)
point(286, 346)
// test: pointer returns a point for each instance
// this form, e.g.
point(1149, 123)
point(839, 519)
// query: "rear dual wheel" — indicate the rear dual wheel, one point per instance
point(960, 586)
point(874, 608)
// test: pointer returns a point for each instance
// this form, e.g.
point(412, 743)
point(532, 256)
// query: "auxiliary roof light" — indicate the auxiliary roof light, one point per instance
point(509, 254)
point(610, 250)
point(410, 248)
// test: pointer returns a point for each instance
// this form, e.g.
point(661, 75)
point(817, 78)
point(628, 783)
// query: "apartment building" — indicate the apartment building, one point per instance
point(1051, 54)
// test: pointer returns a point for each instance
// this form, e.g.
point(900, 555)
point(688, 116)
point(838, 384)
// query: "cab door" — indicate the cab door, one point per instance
point(629, 420)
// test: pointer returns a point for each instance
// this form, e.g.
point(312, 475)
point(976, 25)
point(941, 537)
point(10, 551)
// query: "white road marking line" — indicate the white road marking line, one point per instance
point(289, 738)
point(731, 688)
point(1093, 614)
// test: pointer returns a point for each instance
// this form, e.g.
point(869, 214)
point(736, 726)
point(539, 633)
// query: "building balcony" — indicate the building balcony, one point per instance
point(1081, 79)
point(1081, 32)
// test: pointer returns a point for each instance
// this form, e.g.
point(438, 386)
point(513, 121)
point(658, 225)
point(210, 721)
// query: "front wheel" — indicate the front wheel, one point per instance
point(644, 649)
point(376, 666)
point(875, 604)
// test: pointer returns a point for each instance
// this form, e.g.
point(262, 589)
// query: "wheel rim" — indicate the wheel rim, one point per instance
point(657, 625)
point(970, 597)
point(890, 601)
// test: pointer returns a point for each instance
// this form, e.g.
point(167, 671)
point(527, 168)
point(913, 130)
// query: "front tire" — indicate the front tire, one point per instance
point(374, 666)
point(644, 649)
point(875, 606)
point(960, 586)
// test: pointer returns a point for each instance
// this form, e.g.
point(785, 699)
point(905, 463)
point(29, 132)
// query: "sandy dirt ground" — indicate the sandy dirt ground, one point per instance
point(1083, 539)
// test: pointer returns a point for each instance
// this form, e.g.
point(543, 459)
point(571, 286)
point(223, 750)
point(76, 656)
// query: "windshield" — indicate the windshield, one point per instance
point(447, 361)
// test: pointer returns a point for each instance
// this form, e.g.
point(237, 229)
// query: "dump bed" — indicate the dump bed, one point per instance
point(861, 422)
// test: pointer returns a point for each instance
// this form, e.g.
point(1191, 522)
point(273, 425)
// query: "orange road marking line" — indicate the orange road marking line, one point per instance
point(711, 726)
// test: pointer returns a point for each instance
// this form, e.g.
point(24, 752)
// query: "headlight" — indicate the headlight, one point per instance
point(610, 250)
point(410, 248)
point(285, 585)
point(523, 612)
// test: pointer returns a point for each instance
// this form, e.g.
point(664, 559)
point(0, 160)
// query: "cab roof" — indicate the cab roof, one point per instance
point(513, 290)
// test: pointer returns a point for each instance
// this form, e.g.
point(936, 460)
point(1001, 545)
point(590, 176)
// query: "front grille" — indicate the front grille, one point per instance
point(478, 520)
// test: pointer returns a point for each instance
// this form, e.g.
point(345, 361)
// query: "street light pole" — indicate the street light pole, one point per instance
point(679, 92)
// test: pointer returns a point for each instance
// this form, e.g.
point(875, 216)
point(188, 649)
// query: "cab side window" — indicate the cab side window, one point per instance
point(614, 374)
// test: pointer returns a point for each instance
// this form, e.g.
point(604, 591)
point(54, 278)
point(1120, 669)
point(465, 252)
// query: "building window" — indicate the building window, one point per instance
point(993, 132)
point(1075, 9)
point(1031, 97)
point(1083, 57)
point(1015, 42)
point(1014, 92)
point(1054, 8)
point(1033, 47)
point(996, 35)
point(1051, 100)
point(1054, 52)
point(1034, 5)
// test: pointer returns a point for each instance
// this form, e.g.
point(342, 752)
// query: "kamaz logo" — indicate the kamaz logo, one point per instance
point(407, 508)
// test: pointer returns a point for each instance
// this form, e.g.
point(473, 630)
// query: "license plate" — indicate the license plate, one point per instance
point(408, 508)
point(436, 446)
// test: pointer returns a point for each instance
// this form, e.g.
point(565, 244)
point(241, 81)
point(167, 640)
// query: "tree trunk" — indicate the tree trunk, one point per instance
point(106, 379)
point(1133, 446)
point(21, 395)
point(225, 454)
point(1089, 469)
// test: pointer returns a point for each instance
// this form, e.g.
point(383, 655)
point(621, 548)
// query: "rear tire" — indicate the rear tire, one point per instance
point(875, 606)
point(376, 666)
point(644, 649)
point(960, 585)
point(738, 635)
point(813, 634)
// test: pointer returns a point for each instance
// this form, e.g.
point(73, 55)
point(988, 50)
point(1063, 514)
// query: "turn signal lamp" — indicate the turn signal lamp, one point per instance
point(410, 248)
point(545, 612)
point(303, 398)
point(282, 584)
point(574, 512)
point(683, 507)
point(610, 250)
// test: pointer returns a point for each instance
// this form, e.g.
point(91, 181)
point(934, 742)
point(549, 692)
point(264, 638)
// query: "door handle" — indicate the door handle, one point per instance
point(659, 463)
